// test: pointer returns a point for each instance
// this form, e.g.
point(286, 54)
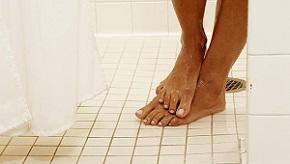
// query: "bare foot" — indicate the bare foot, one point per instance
point(177, 90)
point(154, 110)
point(208, 100)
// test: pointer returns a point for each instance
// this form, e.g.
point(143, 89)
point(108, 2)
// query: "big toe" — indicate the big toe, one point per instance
point(184, 108)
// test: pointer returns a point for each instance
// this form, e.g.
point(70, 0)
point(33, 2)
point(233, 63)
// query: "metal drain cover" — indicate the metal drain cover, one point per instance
point(235, 85)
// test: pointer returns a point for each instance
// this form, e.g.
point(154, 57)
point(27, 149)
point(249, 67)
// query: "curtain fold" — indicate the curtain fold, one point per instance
point(50, 47)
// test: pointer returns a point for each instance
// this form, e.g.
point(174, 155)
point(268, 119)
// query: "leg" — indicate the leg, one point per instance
point(177, 90)
point(229, 38)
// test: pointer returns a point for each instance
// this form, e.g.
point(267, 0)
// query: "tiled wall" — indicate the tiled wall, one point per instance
point(142, 16)
point(269, 76)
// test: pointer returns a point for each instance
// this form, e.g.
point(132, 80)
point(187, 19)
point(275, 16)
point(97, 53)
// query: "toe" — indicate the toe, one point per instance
point(159, 88)
point(175, 122)
point(166, 100)
point(161, 96)
point(165, 120)
point(143, 112)
point(150, 116)
point(158, 117)
point(173, 103)
point(184, 107)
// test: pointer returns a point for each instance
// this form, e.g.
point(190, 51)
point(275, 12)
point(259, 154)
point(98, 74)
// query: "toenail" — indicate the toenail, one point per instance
point(153, 122)
point(170, 124)
point(139, 112)
point(180, 112)
point(166, 106)
point(160, 100)
point(160, 123)
point(144, 121)
point(171, 111)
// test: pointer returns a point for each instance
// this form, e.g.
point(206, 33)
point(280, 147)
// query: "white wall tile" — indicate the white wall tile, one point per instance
point(270, 91)
point(143, 16)
point(114, 18)
point(269, 140)
point(174, 26)
point(209, 17)
point(269, 24)
point(150, 17)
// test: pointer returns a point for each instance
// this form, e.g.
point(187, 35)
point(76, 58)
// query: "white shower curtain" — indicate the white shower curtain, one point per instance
point(48, 64)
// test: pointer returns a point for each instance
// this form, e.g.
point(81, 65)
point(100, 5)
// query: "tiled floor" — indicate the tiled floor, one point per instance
point(107, 131)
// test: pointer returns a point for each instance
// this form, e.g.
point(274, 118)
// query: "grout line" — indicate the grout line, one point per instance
point(154, 73)
point(167, 14)
point(212, 153)
point(236, 124)
point(10, 139)
point(58, 145)
point(30, 149)
point(104, 99)
point(186, 144)
point(120, 114)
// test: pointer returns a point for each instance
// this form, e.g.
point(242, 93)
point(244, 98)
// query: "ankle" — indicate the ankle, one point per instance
point(214, 83)
point(194, 38)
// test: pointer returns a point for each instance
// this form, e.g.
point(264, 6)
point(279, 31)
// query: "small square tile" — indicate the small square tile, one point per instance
point(68, 151)
point(173, 141)
point(117, 159)
point(77, 132)
point(128, 125)
point(226, 147)
point(171, 159)
point(120, 151)
point(107, 117)
point(198, 149)
point(226, 157)
point(91, 159)
point(64, 159)
point(12, 159)
point(144, 160)
point(225, 139)
point(152, 141)
point(73, 141)
point(98, 142)
point(105, 124)
point(199, 132)
point(40, 151)
point(16, 150)
point(102, 133)
point(48, 141)
point(150, 132)
point(95, 151)
point(38, 160)
point(18, 141)
point(199, 158)
point(147, 150)
point(126, 133)
point(169, 150)
point(199, 140)
point(123, 141)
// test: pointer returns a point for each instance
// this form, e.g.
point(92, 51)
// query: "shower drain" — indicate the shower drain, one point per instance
point(235, 85)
